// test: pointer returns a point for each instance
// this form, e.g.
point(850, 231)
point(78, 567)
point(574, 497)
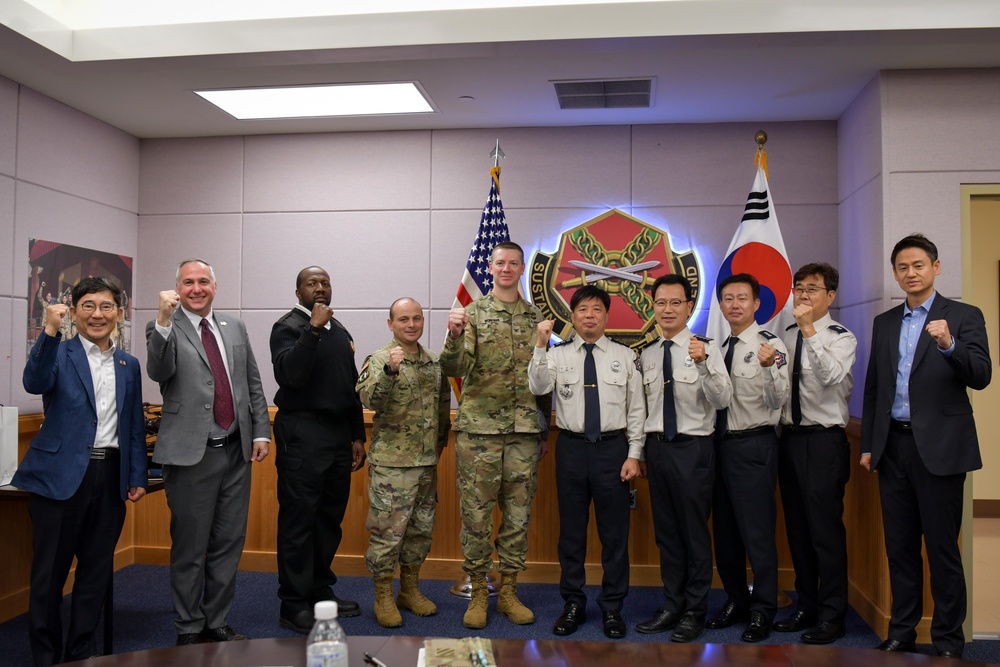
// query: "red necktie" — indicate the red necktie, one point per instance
point(222, 404)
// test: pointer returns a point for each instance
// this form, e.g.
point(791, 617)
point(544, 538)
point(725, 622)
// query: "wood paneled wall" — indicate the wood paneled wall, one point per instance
point(146, 537)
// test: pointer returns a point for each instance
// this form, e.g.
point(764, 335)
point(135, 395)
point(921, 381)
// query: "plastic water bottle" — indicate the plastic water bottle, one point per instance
point(327, 645)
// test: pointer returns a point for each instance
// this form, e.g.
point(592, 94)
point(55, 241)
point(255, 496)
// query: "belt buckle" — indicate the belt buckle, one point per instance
point(219, 441)
point(98, 454)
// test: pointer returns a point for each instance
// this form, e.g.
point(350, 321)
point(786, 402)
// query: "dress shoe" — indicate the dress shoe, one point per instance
point(661, 621)
point(187, 638)
point(730, 614)
point(573, 616)
point(688, 628)
point(614, 626)
point(223, 634)
point(825, 632)
point(301, 622)
point(797, 622)
point(758, 629)
point(956, 655)
point(896, 646)
point(345, 608)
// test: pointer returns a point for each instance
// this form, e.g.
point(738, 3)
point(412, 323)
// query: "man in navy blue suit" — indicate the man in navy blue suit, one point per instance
point(918, 432)
point(88, 457)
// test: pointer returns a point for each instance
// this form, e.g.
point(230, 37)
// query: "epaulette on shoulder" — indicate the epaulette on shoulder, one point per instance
point(641, 348)
point(565, 342)
point(703, 339)
point(618, 342)
point(767, 334)
point(793, 325)
point(838, 329)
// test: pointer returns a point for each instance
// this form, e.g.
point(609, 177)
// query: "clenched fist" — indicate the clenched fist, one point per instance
point(939, 331)
point(168, 304)
point(765, 355)
point(544, 333)
point(696, 350)
point(457, 320)
point(804, 316)
point(54, 314)
point(396, 355)
point(321, 314)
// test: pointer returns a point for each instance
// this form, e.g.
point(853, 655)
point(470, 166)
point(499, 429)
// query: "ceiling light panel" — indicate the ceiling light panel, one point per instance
point(365, 99)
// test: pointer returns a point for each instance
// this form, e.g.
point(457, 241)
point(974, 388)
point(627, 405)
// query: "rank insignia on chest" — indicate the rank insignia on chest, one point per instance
point(616, 366)
point(566, 392)
point(748, 357)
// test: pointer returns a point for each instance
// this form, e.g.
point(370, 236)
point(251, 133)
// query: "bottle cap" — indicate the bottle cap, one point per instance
point(325, 610)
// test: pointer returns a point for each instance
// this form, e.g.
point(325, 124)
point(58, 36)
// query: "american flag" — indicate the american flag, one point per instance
point(477, 281)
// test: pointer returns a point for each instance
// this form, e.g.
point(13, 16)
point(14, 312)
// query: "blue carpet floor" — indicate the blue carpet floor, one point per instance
point(144, 616)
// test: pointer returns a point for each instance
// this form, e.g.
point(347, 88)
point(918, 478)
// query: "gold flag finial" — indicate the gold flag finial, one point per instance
point(760, 159)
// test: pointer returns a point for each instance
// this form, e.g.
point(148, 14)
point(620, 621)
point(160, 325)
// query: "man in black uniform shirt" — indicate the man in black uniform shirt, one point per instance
point(320, 435)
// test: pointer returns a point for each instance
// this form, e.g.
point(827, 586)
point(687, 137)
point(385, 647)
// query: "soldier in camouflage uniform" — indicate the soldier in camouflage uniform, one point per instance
point(490, 344)
point(404, 385)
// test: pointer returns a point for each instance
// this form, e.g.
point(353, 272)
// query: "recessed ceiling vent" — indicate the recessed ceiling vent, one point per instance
point(611, 94)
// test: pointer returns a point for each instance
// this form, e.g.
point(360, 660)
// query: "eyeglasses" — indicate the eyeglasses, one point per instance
point(811, 290)
point(89, 307)
point(672, 303)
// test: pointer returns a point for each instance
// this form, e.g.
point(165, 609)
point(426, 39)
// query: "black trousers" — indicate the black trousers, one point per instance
point(86, 525)
point(585, 472)
point(681, 477)
point(313, 459)
point(813, 470)
point(915, 504)
point(744, 514)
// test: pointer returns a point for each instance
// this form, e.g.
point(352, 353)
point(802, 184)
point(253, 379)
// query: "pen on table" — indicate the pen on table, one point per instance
point(372, 660)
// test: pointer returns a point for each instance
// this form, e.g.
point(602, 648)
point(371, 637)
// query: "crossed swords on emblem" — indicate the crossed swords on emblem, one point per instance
point(596, 272)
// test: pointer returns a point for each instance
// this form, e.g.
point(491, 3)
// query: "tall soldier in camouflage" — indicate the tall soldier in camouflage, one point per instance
point(404, 385)
point(497, 441)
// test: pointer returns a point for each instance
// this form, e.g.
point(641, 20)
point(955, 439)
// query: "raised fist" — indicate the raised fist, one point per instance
point(321, 314)
point(696, 350)
point(765, 355)
point(54, 314)
point(168, 304)
point(544, 333)
point(457, 320)
point(395, 358)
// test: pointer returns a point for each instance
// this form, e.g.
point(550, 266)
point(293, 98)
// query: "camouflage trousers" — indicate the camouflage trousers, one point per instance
point(492, 470)
point(400, 516)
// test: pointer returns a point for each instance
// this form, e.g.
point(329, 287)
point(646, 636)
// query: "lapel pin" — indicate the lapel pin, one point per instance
point(121, 361)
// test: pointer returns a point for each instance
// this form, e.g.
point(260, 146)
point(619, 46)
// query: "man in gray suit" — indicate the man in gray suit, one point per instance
point(214, 423)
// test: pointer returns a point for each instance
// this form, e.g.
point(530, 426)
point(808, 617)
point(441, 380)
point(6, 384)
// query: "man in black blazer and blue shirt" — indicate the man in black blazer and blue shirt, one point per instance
point(87, 459)
point(918, 432)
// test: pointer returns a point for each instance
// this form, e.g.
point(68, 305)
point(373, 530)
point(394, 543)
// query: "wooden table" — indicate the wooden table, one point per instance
point(402, 652)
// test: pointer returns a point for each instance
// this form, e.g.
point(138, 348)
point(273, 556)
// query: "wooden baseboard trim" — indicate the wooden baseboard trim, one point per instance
point(986, 509)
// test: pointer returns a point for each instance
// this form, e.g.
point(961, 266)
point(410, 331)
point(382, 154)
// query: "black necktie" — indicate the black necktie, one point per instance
point(222, 403)
point(591, 397)
point(669, 409)
point(722, 416)
point(796, 376)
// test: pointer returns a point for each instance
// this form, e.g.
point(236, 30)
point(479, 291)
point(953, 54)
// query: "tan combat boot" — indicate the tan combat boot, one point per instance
point(509, 605)
point(386, 612)
point(410, 596)
point(475, 615)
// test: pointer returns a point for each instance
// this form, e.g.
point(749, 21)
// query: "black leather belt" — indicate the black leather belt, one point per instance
point(680, 437)
point(607, 435)
point(748, 433)
point(223, 440)
point(816, 428)
point(900, 427)
point(102, 453)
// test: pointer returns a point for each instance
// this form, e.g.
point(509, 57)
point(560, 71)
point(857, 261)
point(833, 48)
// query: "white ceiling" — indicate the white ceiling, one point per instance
point(713, 60)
